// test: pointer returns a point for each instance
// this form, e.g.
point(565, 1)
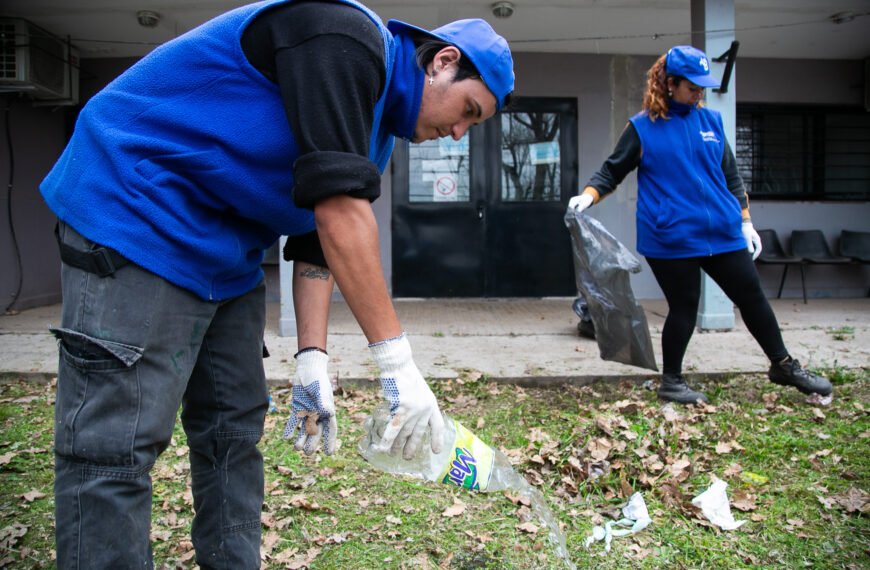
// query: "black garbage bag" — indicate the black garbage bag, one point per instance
point(601, 269)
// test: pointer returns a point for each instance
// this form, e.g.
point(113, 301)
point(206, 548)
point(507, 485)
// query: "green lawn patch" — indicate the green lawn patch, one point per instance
point(799, 474)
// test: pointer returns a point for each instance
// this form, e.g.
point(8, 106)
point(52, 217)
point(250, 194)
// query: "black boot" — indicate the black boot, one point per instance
point(674, 389)
point(788, 372)
point(586, 329)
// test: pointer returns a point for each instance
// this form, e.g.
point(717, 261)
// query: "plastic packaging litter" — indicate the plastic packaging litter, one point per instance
point(636, 518)
point(714, 505)
point(465, 461)
point(601, 269)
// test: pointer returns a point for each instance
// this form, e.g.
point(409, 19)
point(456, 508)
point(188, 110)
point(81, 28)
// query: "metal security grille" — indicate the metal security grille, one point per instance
point(8, 64)
point(801, 153)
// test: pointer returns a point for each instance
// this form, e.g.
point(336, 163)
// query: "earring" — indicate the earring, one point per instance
point(670, 93)
point(432, 79)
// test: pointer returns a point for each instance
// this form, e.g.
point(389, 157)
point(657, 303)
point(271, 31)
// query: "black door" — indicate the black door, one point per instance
point(482, 217)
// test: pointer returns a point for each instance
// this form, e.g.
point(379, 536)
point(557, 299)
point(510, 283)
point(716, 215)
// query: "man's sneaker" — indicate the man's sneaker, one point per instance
point(788, 372)
point(674, 389)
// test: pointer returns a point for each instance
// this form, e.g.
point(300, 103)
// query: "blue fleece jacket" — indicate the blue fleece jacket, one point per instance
point(684, 207)
point(184, 163)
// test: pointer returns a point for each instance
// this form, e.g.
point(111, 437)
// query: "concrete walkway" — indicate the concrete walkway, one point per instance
point(527, 341)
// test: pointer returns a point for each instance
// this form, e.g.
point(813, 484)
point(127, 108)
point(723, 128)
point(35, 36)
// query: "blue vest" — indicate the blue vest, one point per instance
point(684, 207)
point(184, 163)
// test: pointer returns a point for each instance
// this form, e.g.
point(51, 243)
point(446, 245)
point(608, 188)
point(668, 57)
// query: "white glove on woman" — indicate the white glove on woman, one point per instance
point(580, 202)
point(413, 407)
point(753, 240)
point(313, 407)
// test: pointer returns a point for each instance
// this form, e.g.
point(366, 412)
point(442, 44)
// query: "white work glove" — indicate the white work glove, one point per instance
point(313, 407)
point(413, 407)
point(581, 202)
point(753, 240)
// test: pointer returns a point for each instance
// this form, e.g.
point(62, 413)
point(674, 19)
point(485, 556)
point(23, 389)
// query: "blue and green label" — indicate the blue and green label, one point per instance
point(470, 464)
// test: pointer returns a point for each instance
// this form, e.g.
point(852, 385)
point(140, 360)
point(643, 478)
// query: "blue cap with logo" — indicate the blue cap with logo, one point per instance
point(488, 51)
point(691, 63)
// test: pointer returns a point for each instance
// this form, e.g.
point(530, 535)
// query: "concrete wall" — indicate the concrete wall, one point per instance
point(37, 136)
point(608, 90)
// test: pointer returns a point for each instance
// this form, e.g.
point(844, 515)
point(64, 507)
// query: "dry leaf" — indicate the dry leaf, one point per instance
point(625, 488)
point(743, 501)
point(680, 469)
point(31, 496)
point(599, 448)
point(454, 510)
point(393, 520)
point(854, 501)
point(445, 564)
point(302, 502)
point(305, 561)
point(269, 541)
point(604, 424)
point(524, 513)
point(733, 470)
point(518, 499)
point(528, 527)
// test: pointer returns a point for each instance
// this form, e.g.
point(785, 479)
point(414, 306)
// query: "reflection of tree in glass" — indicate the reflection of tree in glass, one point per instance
point(522, 180)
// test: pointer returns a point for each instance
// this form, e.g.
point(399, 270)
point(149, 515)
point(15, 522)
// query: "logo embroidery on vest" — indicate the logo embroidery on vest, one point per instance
point(709, 136)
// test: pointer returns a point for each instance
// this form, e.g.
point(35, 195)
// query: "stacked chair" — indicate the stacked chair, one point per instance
point(856, 246)
point(772, 253)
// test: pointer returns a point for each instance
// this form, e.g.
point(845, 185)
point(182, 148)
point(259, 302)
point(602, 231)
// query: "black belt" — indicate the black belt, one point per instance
point(101, 261)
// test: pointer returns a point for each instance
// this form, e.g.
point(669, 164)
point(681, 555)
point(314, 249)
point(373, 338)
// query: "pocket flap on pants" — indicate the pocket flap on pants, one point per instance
point(126, 353)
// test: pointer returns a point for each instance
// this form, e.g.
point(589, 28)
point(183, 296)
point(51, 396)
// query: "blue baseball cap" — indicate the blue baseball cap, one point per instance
point(475, 38)
point(691, 63)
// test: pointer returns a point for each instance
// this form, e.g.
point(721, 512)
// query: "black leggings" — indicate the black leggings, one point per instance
point(734, 272)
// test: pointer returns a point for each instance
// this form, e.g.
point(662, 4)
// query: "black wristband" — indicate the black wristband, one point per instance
point(305, 247)
point(309, 349)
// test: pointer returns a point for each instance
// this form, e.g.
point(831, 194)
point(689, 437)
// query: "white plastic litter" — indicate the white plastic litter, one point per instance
point(714, 505)
point(636, 518)
point(820, 400)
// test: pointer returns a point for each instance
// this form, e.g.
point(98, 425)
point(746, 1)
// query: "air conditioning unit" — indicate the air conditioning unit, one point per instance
point(37, 63)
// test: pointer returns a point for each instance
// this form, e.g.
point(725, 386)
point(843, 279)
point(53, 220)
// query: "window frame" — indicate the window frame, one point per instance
point(813, 157)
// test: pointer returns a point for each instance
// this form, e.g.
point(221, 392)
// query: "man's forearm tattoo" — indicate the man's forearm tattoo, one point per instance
point(315, 273)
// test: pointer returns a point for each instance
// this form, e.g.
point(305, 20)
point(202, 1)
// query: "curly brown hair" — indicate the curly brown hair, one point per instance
point(655, 100)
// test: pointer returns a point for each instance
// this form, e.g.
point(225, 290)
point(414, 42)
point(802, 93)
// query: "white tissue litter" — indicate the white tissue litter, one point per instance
point(636, 518)
point(820, 400)
point(714, 505)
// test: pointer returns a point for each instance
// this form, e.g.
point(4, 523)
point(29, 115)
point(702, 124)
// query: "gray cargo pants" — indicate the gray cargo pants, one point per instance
point(133, 348)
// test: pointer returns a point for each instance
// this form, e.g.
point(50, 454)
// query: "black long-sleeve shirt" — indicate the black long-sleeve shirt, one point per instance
point(327, 59)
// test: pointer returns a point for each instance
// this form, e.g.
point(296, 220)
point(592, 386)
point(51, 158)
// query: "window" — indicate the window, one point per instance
point(439, 171)
point(530, 157)
point(800, 153)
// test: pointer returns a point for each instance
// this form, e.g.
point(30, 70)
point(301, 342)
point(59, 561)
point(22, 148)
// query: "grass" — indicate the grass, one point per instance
point(800, 474)
point(842, 333)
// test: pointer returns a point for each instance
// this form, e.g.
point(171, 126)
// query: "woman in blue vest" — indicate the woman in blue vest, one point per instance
point(276, 118)
point(693, 214)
